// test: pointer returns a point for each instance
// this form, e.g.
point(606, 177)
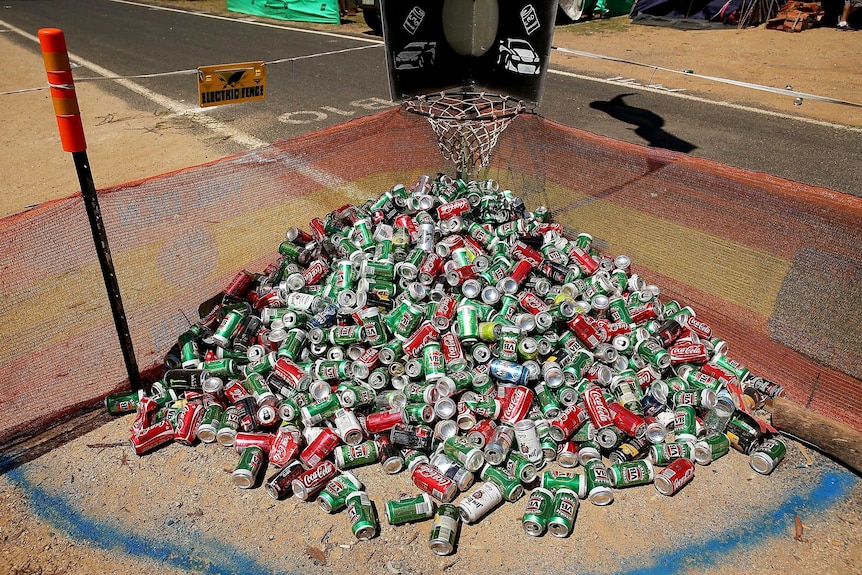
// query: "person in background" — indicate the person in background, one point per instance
point(850, 6)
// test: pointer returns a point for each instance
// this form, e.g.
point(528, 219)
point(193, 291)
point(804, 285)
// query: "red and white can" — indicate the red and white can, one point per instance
point(523, 252)
point(567, 422)
point(444, 312)
point(673, 477)
point(313, 480)
point(426, 332)
point(324, 444)
point(687, 352)
point(454, 208)
point(152, 437)
point(531, 302)
point(518, 405)
point(291, 373)
point(453, 352)
point(481, 433)
point(433, 482)
point(586, 331)
point(245, 439)
point(187, 423)
point(285, 445)
point(626, 420)
point(380, 421)
point(597, 407)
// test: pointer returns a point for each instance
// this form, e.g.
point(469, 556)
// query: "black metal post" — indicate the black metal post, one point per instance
point(100, 238)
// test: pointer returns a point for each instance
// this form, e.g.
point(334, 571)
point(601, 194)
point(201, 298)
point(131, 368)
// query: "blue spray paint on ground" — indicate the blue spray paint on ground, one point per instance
point(833, 485)
point(221, 557)
point(199, 553)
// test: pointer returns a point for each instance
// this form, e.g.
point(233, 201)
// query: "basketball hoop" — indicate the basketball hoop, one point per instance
point(467, 124)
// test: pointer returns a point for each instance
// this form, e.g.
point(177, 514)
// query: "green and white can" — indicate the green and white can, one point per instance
point(409, 509)
point(444, 531)
point(538, 512)
point(361, 515)
point(563, 512)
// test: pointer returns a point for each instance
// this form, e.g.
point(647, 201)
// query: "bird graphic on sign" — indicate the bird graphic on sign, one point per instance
point(233, 78)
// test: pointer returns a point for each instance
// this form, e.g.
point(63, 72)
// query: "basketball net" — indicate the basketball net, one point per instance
point(467, 124)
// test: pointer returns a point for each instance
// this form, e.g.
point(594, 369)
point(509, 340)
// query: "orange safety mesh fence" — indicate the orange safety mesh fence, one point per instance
point(772, 265)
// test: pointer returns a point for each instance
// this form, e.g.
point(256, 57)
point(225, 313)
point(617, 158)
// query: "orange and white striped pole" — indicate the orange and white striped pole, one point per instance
point(62, 86)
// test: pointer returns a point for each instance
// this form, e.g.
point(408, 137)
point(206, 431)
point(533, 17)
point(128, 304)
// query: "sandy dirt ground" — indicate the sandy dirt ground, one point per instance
point(93, 506)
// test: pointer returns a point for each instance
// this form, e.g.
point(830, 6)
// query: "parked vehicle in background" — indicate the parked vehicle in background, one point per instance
point(371, 13)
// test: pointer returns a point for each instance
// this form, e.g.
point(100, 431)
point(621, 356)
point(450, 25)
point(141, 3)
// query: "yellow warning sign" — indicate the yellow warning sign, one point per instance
point(231, 83)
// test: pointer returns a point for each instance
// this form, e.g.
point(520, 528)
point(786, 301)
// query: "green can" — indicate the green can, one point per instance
point(404, 319)
point(123, 402)
point(227, 327)
point(250, 463)
point(409, 509)
point(631, 473)
point(444, 531)
point(361, 514)
point(333, 498)
point(598, 482)
point(433, 361)
point(553, 480)
point(653, 351)
point(320, 410)
point(564, 509)
point(210, 423)
point(685, 423)
point(381, 270)
point(350, 456)
point(467, 320)
point(519, 466)
point(711, 447)
point(540, 505)
point(768, 455)
point(509, 485)
point(663, 454)
point(224, 368)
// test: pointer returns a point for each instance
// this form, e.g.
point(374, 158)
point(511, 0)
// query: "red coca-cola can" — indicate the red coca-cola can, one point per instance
point(613, 329)
point(147, 406)
point(245, 439)
point(523, 252)
point(520, 271)
point(380, 421)
point(318, 229)
point(458, 276)
point(370, 358)
point(405, 221)
point(430, 268)
point(626, 420)
point(647, 375)
point(643, 312)
point(433, 482)
point(531, 302)
point(313, 480)
point(481, 433)
point(425, 333)
point(673, 477)
point(271, 299)
point(454, 208)
point(719, 373)
point(285, 445)
point(583, 259)
point(316, 451)
point(597, 407)
point(687, 352)
point(152, 437)
point(452, 350)
point(291, 373)
point(315, 272)
point(701, 328)
point(240, 285)
point(585, 330)
point(567, 423)
point(444, 312)
point(234, 391)
point(187, 423)
point(518, 405)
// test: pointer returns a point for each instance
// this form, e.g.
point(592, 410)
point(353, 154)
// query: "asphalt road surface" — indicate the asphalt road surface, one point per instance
point(318, 79)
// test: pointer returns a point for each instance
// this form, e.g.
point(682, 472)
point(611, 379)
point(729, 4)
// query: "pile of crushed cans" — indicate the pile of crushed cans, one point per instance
point(446, 332)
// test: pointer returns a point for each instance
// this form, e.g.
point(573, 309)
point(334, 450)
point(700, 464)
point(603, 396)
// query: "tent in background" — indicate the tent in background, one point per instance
point(703, 13)
point(323, 11)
